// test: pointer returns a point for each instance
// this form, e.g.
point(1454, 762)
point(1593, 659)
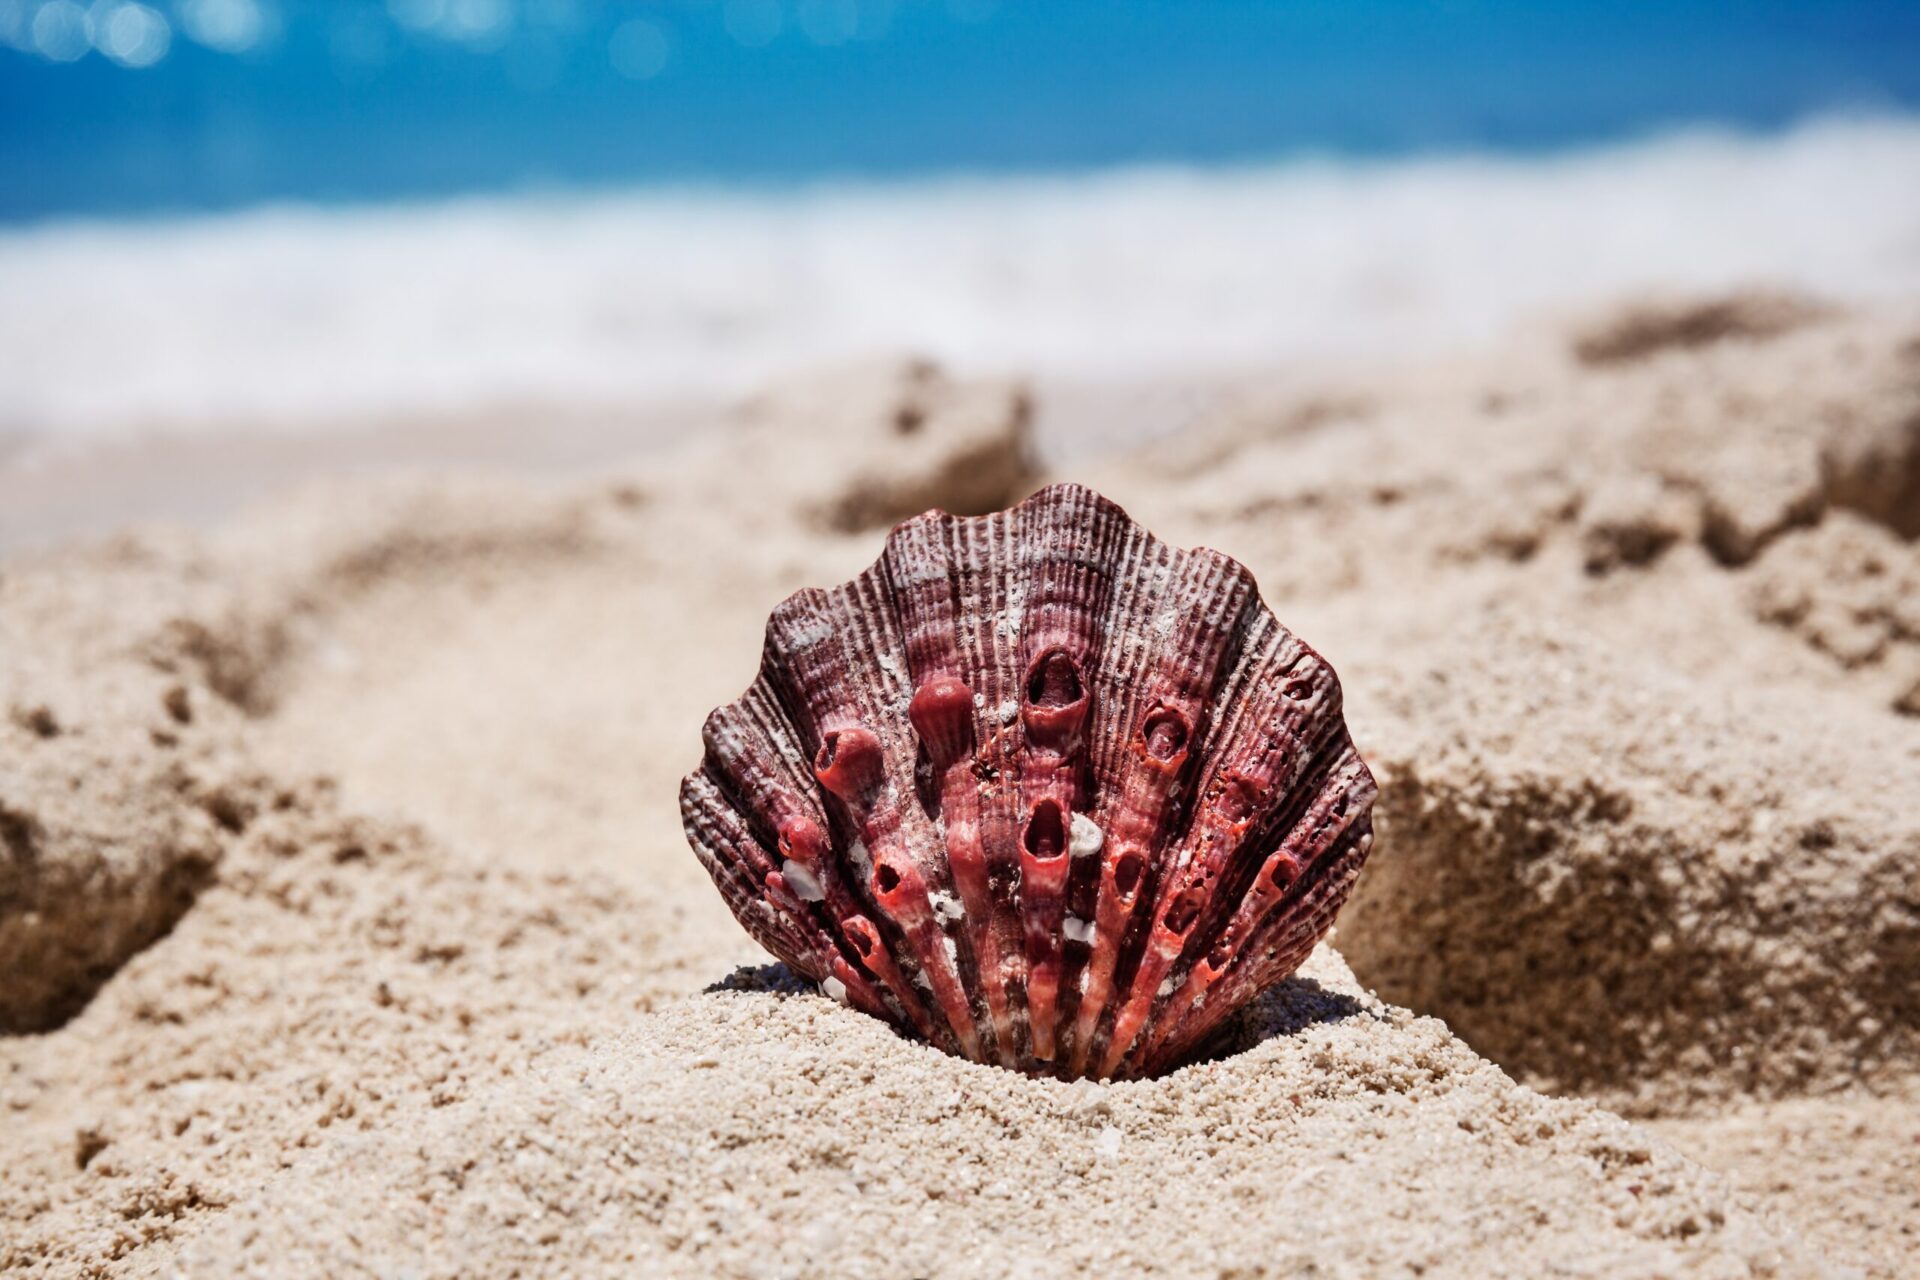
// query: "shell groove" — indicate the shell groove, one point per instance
point(1037, 788)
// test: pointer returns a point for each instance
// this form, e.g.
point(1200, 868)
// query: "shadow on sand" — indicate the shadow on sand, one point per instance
point(1284, 1009)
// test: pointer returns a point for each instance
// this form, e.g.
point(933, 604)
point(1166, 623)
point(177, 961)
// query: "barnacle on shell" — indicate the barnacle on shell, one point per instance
point(1037, 788)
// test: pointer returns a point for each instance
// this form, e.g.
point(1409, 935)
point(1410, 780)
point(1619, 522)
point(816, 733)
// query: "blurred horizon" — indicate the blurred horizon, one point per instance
point(119, 108)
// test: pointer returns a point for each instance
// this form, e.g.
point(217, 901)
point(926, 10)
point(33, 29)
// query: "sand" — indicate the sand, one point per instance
point(354, 930)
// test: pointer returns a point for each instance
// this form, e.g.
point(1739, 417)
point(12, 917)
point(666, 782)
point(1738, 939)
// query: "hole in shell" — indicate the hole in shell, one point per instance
point(1046, 830)
point(926, 783)
point(1299, 690)
point(1127, 873)
point(887, 877)
point(864, 940)
point(1284, 871)
point(1185, 910)
point(1237, 799)
point(1217, 957)
point(829, 751)
point(1054, 680)
point(1165, 733)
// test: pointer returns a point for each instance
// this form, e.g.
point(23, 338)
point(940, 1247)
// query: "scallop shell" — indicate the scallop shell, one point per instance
point(1037, 788)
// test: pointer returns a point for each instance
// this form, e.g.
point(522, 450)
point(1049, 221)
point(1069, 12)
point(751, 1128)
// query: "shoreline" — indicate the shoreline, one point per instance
point(594, 306)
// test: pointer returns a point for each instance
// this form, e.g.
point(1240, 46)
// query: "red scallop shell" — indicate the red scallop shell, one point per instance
point(1037, 788)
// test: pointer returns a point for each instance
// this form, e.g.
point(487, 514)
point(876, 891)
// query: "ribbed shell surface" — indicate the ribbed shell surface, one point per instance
point(1037, 788)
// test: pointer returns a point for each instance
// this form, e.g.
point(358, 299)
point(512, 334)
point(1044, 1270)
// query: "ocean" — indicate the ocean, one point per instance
point(234, 214)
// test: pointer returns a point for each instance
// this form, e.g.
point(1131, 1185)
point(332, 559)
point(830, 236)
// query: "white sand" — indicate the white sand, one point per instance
point(340, 847)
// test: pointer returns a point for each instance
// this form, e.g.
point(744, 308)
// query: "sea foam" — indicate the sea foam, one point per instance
point(302, 317)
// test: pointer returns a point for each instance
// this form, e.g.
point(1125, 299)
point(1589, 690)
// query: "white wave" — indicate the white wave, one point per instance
point(296, 316)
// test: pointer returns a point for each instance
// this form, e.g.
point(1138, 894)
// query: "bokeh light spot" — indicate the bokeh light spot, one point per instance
point(16, 23)
point(829, 22)
point(231, 26)
point(754, 23)
point(638, 49)
point(133, 35)
point(62, 31)
point(483, 24)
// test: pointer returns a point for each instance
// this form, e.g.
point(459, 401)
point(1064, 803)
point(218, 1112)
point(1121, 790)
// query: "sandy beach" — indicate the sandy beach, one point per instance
point(350, 928)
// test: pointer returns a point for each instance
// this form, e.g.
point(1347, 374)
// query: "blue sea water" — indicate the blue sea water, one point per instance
point(263, 215)
point(116, 107)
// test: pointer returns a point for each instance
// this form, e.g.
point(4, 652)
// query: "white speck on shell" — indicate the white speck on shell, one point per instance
point(812, 634)
point(1084, 837)
point(1076, 929)
point(805, 885)
point(946, 907)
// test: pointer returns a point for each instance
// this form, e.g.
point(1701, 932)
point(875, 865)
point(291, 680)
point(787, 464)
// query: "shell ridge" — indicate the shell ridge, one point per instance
point(1143, 563)
point(1068, 587)
point(1283, 882)
point(1244, 863)
point(1199, 621)
point(806, 651)
point(920, 574)
point(896, 831)
point(1261, 758)
point(721, 840)
point(977, 548)
point(987, 543)
point(1270, 954)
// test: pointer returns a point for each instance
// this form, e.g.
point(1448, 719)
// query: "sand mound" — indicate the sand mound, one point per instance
point(360, 1048)
point(866, 447)
point(1628, 879)
point(122, 788)
point(342, 974)
point(107, 831)
point(1851, 590)
point(759, 1134)
point(1645, 329)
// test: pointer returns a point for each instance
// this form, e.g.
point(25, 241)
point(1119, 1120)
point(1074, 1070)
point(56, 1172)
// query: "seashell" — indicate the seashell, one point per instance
point(1037, 788)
